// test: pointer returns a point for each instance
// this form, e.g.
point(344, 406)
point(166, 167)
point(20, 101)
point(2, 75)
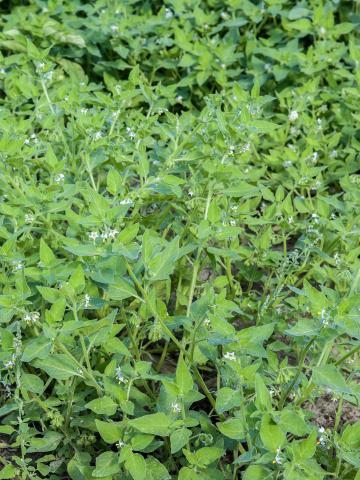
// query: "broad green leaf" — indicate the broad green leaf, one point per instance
point(110, 431)
point(102, 406)
point(179, 438)
point(107, 464)
point(136, 465)
point(58, 366)
point(233, 428)
point(271, 434)
point(155, 423)
point(183, 377)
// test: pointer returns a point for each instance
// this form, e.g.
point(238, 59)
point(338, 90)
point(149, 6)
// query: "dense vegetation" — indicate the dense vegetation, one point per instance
point(179, 240)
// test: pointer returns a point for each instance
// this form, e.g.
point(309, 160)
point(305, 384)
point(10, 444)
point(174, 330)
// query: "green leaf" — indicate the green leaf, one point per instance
point(47, 443)
point(257, 472)
point(110, 432)
point(328, 376)
point(38, 347)
point(226, 399)
point(184, 379)
point(179, 438)
point(263, 398)
point(271, 434)
point(233, 428)
point(121, 289)
point(155, 423)
point(32, 383)
point(8, 472)
point(47, 256)
point(107, 464)
point(163, 264)
point(58, 366)
point(136, 466)
point(102, 406)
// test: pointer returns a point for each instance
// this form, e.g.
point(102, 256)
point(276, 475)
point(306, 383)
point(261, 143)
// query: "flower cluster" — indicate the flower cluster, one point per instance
point(31, 317)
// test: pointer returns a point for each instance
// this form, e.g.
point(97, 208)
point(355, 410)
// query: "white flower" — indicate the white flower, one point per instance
point(321, 430)
point(232, 223)
point(112, 233)
point(207, 322)
point(287, 164)
point(337, 259)
point(86, 300)
point(175, 407)
point(179, 98)
point(293, 115)
point(168, 13)
point(120, 376)
point(324, 317)
point(59, 178)
point(98, 135)
point(224, 15)
point(93, 235)
point(191, 193)
point(230, 356)
point(27, 142)
point(315, 218)
point(18, 266)
point(120, 444)
point(333, 154)
point(278, 459)
point(315, 157)
point(245, 148)
point(126, 201)
point(290, 220)
point(322, 31)
point(29, 218)
point(130, 132)
point(9, 364)
point(31, 317)
point(114, 28)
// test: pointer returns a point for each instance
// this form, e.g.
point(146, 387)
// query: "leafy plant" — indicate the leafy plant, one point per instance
point(179, 240)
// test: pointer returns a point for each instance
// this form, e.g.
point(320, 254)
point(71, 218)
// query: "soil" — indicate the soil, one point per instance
point(324, 410)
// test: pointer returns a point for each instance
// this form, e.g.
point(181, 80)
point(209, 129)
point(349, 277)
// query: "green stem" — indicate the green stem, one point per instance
point(297, 374)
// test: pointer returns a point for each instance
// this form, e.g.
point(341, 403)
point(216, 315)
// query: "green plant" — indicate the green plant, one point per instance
point(179, 240)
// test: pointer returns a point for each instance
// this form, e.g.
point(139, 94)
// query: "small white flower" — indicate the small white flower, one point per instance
point(104, 236)
point(191, 193)
point(232, 223)
point(278, 459)
point(293, 116)
point(120, 376)
point(130, 132)
point(9, 364)
point(224, 15)
point(287, 164)
point(126, 201)
point(114, 28)
point(245, 148)
point(93, 235)
point(112, 233)
point(175, 407)
point(322, 31)
point(31, 317)
point(315, 157)
point(179, 98)
point(98, 135)
point(230, 356)
point(18, 266)
point(207, 322)
point(84, 111)
point(86, 300)
point(337, 259)
point(59, 178)
point(321, 430)
point(315, 218)
point(27, 142)
point(29, 218)
point(168, 13)
point(333, 154)
point(121, 444)
point(290, 220)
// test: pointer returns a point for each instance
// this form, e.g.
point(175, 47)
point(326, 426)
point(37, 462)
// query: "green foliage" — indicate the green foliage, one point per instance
point(179, 239)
